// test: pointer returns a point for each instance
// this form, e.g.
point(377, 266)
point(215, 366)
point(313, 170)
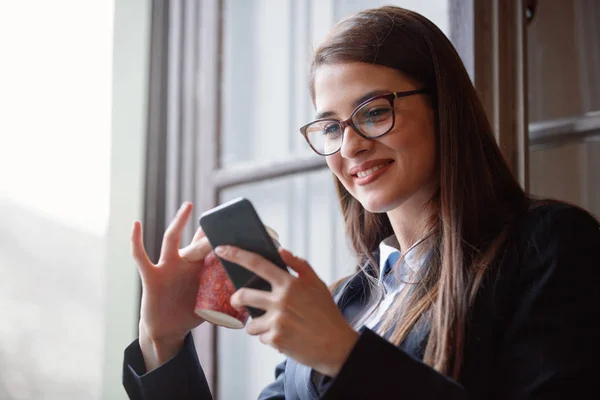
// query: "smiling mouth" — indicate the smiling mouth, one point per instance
point(364, 174)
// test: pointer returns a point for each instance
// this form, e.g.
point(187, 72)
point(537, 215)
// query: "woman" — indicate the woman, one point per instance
point(465, 286)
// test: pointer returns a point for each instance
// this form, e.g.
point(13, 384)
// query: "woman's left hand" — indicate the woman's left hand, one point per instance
point(301, 319)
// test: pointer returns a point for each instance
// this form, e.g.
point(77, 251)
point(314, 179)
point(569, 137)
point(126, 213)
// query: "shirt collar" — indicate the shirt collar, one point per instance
point(390, 245)
point(387, 246)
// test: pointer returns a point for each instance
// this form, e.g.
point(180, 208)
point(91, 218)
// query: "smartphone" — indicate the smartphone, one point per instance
point(236, 223)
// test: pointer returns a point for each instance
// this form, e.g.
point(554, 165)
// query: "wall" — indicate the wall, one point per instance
point(54, 196)
point(127, 174)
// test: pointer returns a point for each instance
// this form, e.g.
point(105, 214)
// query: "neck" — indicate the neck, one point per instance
point(407, 219)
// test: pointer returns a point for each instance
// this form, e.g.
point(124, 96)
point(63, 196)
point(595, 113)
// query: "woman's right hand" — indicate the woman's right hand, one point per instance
point(169, 289)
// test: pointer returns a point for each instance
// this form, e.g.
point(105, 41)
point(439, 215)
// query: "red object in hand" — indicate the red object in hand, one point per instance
point(214, 294)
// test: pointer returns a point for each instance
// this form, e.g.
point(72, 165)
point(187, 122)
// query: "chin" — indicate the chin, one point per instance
point(377, 205)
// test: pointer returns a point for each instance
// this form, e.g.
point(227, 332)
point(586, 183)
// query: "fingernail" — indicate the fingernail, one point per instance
point(221, 250)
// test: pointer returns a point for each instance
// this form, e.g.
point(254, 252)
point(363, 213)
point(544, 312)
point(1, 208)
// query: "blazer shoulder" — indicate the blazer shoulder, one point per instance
point(557, 237)
point(550, 308)
point(549, 218)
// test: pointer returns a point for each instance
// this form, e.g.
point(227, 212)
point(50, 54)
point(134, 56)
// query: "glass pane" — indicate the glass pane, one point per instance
point(435, 10)
point(562, 42)
point(304, 210)
point(265, 92)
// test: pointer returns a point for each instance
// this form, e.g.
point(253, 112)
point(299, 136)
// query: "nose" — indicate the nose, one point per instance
point(354, 144)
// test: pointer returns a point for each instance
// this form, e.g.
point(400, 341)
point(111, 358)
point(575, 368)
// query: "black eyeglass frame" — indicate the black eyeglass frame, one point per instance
point(348, 122)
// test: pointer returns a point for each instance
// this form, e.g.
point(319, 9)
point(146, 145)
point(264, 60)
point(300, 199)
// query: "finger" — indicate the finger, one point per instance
point(172, 238)
point(275, 322)
point(258, 326)
point(254, 263)
point(196, 251)
point(271, 338)
point(138, 251)
point(298, 264)
point(198, 235)
point(252, 297)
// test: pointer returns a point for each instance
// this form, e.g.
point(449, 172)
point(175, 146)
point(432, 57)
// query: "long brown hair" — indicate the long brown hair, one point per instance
point(477, 199)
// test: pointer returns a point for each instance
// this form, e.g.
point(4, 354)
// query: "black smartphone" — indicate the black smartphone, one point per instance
point(237, 223)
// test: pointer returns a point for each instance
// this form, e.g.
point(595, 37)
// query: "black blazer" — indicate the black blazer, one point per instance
point(533, 333)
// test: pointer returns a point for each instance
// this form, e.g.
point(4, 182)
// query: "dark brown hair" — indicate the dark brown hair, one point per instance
point(477, 198)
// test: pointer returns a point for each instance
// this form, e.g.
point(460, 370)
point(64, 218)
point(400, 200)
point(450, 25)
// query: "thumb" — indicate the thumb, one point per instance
point(196, 251)
point(198, 235)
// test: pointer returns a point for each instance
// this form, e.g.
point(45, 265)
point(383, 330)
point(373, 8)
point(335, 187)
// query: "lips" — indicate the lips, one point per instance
point(368, 167)
point(370, 171)
point(364, 174)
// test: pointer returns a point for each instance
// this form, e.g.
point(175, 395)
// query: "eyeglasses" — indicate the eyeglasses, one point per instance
point(371, 119)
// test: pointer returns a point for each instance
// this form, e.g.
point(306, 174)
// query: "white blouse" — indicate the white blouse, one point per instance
point(395, 282)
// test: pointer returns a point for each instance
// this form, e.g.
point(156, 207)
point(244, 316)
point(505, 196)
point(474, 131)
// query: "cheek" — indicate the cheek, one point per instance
point(336, 166)
point(334, 163)
point(417, 142)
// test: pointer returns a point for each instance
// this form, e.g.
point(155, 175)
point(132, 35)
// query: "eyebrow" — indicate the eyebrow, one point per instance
point(356, 103)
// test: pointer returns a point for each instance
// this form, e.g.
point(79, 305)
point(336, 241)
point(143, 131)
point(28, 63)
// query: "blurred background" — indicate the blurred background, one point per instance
point(112, 111)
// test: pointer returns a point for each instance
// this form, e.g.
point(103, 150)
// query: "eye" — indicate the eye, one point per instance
point(374, 112)
point(331, 129)
point(377, 114)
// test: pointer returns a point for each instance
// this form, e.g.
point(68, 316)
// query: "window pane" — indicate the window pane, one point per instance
point(435, 10)
point(265, 94)
point(304, 210)
point(562, 41)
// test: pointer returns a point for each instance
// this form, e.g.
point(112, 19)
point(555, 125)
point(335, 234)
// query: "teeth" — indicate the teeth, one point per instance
point(368, 172)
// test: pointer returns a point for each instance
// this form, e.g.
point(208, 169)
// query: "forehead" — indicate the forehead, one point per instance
point(338, 85)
